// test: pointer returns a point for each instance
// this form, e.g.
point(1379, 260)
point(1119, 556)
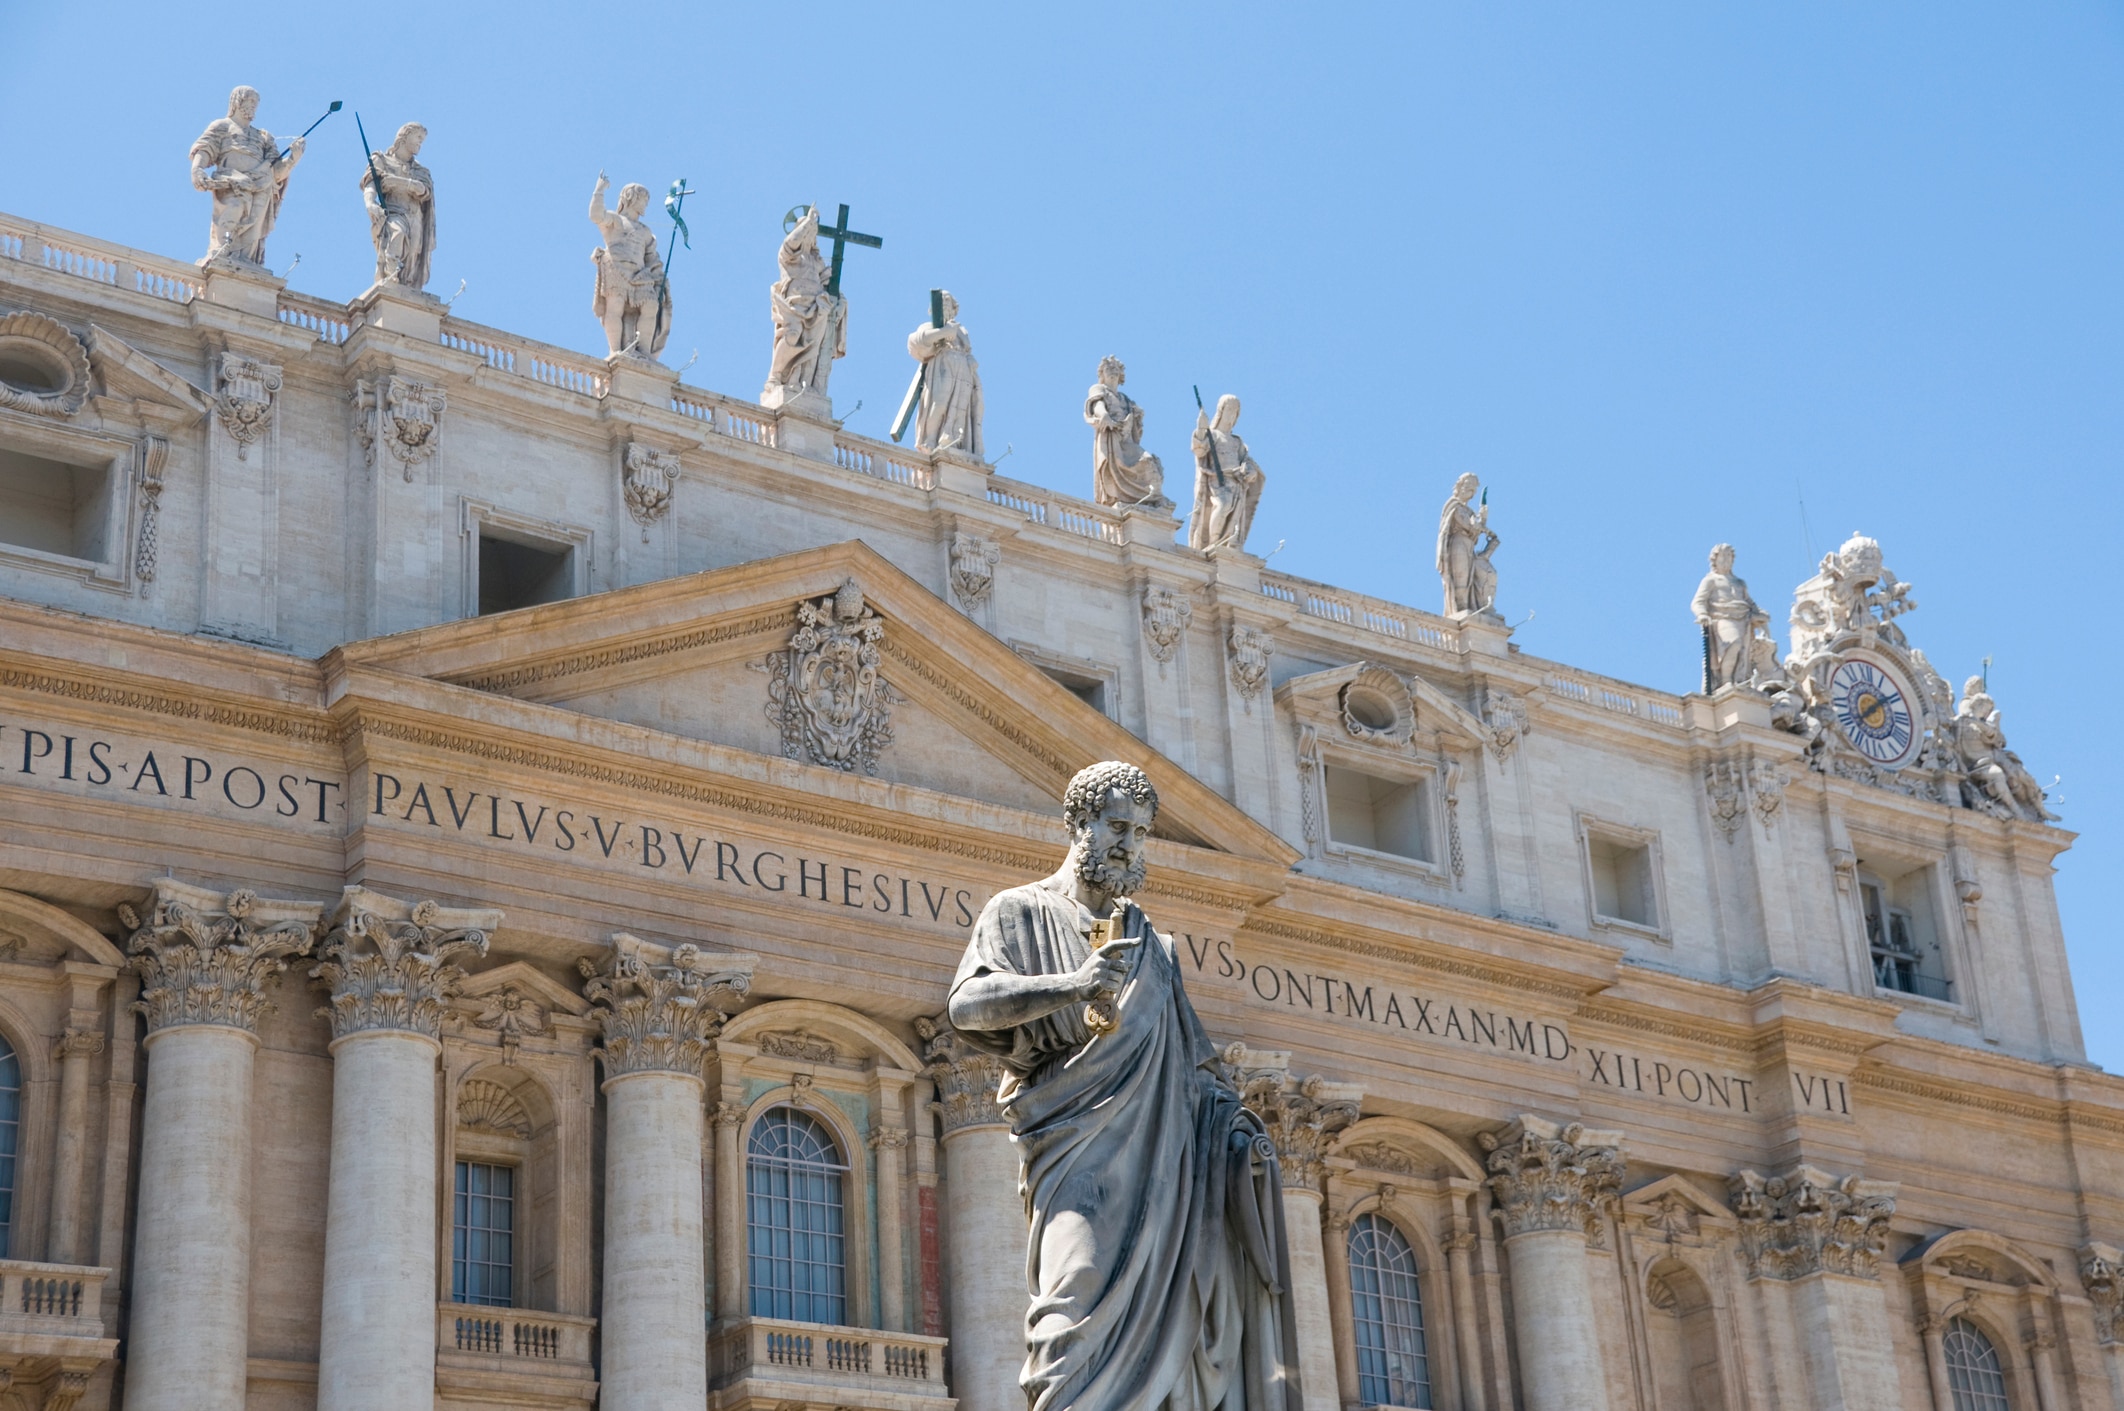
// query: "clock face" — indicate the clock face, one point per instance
point(1873, 709)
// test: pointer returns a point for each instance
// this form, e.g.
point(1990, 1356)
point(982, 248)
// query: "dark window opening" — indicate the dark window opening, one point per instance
point(517, 575)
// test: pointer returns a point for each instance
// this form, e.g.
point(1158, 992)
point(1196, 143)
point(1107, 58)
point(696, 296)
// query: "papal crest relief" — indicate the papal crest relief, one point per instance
point(824, 691)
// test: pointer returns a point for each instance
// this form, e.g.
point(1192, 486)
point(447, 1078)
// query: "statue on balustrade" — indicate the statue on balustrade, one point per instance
point(1158, 1268)
point(1465, 543)
point(402, 214)
point(1228, 481)
point(1738, 648)
point(810, 320)
point(633, 299)
point(1124, 475)
point(243, 169)
point(1998, 781)
point(949, 419)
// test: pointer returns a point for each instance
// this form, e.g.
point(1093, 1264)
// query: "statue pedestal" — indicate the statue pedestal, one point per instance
point(394, 308)
point(631, 378)
point(1155, 527)
point(1237, 571)
point(956, 473)
point(251, 289)
point(1739, 705)
point(1483, 633)
point(803, 422)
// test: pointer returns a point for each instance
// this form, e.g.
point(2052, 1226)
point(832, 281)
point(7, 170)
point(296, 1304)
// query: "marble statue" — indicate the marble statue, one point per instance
point(950, 415)
point(1228, 481)
point(402, 215)
point(810, 322)
point(244, 170)
point(632, 300)
point(1995, 773)
point(1738, 650)
point(1465, 543)
point(1123, 473)
point(1159, 1271)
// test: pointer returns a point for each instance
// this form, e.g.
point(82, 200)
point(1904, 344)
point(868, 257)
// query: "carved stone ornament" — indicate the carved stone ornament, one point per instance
point(85, 1042)
point(205, 959)
point(973, 568)
point(154, 461)
point(648, 480)
point(1309, 782)
point(1504, 715)
point(402, 415)
point(509, 1015)
point(1674, 1218)
point(1250, 649)
point(493, 1109)
point(1808, 1221)
point(243, 397)
point(44, 368)
point(1456, 853)
point(2102, 1275)
point(1722, 782)
point(1852, 592)
point(1301, 1118)
point(1549, 1177)
point(1166, 617)
point(387, 965)
point(801, 1045)
point(824, 692)
point(1766, 782)
point(1378, 707)
point(967, 1079)
point(660, 1008)
point(1382, 1156)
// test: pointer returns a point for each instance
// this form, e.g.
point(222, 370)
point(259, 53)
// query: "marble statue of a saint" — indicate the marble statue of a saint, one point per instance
point(810, 323)
point(949, 419)
point(1734, 627)
point(1158, 1269)
point(1228, 481)
point(402, 215)
point(1124, 475)
point(1994, 771)
point(243, 169)
point(632, 300)
point(1465, 543)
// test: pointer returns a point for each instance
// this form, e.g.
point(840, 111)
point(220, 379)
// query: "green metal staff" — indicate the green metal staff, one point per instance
point(1215, 464)
point(913, 398)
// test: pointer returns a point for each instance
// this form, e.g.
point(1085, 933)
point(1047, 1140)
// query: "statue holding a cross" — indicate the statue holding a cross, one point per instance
point(810, 313)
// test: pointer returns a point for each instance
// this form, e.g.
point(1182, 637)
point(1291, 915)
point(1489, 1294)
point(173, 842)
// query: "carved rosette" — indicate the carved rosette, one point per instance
point(1549, 1177)
point(967, 1079)
point(1807, 1221)
point(1250, 649)
point(2102, 1275)
point(1166, 616)
point(824, 693)
point(243, 397)
point(387, 965)
point(973, 568)
point(660, 1009)
point(204, 958)
point(649, 477)
point(1301, 1117)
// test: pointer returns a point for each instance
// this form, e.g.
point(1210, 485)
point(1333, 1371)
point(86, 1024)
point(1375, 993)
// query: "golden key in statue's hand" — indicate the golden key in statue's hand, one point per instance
point(1100, 1015)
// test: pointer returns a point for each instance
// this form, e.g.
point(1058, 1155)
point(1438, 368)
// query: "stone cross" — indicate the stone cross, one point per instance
point(841, 236)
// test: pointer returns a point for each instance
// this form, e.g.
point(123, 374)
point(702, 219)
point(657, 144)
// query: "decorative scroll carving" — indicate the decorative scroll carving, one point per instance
point(966, 1078)
point(387, 965)
point(1309, 781)
point(1456, 854)
point(973, 568)
point(2102, 1275)
point(1383, 1156)
point(1250, 649)
point(1549, 1177)
point(648, 480)
point(1808, 1221)
point(1766, 783)
point(889, 1139)
point(48, 366)
point(1166, 617)
point(490, 1107)
point(87, 1043)
point(660, 1009)
point(243, 397)
point(1722, 781)
point(403, 415)
point(1504, 715)
point(1301, 1117)
point(154, 460)
point(205, 959)
point(824, 692)
point(510, 1014)
point(800, 1044)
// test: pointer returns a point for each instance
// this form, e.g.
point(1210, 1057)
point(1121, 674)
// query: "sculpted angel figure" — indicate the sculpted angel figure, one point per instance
point(244, 170)
point(1465, 543)
point(950, 415)
point(1228, 480)
point(1158, 1269)
point(633, 299)
point(810, 322)
point(1123, 473)
point(402, 215)
point(1734, 627)
point(1994, 771)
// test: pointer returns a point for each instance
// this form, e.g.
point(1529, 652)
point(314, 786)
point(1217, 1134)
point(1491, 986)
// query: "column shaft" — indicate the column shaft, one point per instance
point(70, 1158)
point(731, 1285)
point(1309, 1299)
point(985, 1235)
point(1560, 1362)
point(192, 1246)
point(1936, 1365)
point(1335, 1247)
point(890, 1143)
point(1460, 1253)
point(655, 1316)
point(2046, 1374)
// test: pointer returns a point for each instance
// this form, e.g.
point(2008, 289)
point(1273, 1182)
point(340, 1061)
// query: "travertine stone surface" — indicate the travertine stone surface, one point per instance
point(655, 1306)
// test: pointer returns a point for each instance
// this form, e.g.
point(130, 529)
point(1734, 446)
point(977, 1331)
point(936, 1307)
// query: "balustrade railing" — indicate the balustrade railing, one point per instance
point(877, 460)
point(327, 320)
point(512, 1334)
point(58, 1298)
point(1072, 516)
point(1355, 610)
point(98, 261)
point(852, 1360)
point(1614, 696)
point(540, 362)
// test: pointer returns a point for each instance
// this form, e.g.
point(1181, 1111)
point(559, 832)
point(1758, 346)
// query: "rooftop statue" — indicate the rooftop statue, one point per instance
point(244, 170)
point(1228, 480)
point(810, 319)
point(632, 299)
point(948, 382)
point(1738, 649)
point(402, 214)
point(1124, 475)
point(1998, 781)
point(1157, 1259)
point(1465, 543)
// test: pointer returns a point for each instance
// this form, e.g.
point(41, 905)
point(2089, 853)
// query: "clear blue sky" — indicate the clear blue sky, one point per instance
point(1656, 272)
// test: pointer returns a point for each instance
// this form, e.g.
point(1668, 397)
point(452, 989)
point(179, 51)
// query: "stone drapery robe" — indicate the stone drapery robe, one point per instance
point(810, 324)
point(1224, 509)
point(1157, 1265)
point(950, 416)
point(1123, 473)
point(245, 214)
point(404, 229)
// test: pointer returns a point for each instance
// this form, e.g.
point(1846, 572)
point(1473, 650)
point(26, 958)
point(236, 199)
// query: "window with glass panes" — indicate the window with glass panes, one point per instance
point(1393, 1368)
point(483, 1235)
point(1974, 1373)
point(10, 1127)
point(795, 1218)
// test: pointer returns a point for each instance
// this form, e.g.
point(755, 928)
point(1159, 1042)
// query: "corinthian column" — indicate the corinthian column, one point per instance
point(388, 968)
point(985, 1230)
point(1549, 1184)
point(1300, 1117)
point(204, 960)
point(70, 1160)
point(660, 1010)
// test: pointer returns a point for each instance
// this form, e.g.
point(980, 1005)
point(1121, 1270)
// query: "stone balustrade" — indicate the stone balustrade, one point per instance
point(64, 252)
point(764, 1361)
point(514, 1357)
point(1064, 512)
point(49, 1301)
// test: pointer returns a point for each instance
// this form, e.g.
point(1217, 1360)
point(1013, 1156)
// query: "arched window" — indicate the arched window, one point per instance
point(10, 1127)
point(1393, 1368)
point(797, 1224)
point(1973, 1370)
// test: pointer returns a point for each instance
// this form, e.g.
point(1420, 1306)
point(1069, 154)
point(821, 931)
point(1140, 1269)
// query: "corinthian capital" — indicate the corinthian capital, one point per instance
point(204, 957)
point(1808, 1221)
point(1549, 1177)
point(966, 1078)
point(661, 1007)
point(391, 965)
point(1300, 1116)
point(2102, 1275)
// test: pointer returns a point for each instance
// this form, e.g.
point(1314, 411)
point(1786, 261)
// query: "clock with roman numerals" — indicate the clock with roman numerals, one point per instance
point(1873, 708)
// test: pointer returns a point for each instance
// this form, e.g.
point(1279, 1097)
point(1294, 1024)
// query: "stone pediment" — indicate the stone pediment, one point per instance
point(133, 386)
point(830, 657)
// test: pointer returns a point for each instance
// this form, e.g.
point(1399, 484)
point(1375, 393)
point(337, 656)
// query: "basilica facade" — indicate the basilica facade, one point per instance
point(486, 834)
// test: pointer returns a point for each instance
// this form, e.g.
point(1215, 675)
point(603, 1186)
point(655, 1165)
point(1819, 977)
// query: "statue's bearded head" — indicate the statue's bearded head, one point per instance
point(1111, 372)
point(1722, 558)
point(243, 103)
point(1109, 809)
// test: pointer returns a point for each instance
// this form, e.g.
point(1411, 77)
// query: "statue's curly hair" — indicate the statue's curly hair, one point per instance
point(1089, 790)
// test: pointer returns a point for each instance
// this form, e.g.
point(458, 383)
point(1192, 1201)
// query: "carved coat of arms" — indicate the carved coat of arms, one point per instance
point(648, 481)
point(243, 398)
point(404, 415)
point(824, 692)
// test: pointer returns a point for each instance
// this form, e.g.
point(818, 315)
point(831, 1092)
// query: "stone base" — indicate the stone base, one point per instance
point(961, 474)
point(1484, 632)
point(629, 377)
point(808, 402)
point(241, 285)
point(394, 308)
point(1150, 524)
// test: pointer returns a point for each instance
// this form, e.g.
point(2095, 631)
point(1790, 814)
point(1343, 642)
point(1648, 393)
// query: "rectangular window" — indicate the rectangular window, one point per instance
point(514, 574)
point(1625, 887)
point(1381, 815)
point(1899, 938)
point(483, 1235)
point(54, 507)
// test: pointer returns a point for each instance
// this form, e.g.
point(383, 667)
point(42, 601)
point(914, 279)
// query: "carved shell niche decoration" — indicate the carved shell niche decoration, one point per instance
point(44, 369)
point(1377, 707)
